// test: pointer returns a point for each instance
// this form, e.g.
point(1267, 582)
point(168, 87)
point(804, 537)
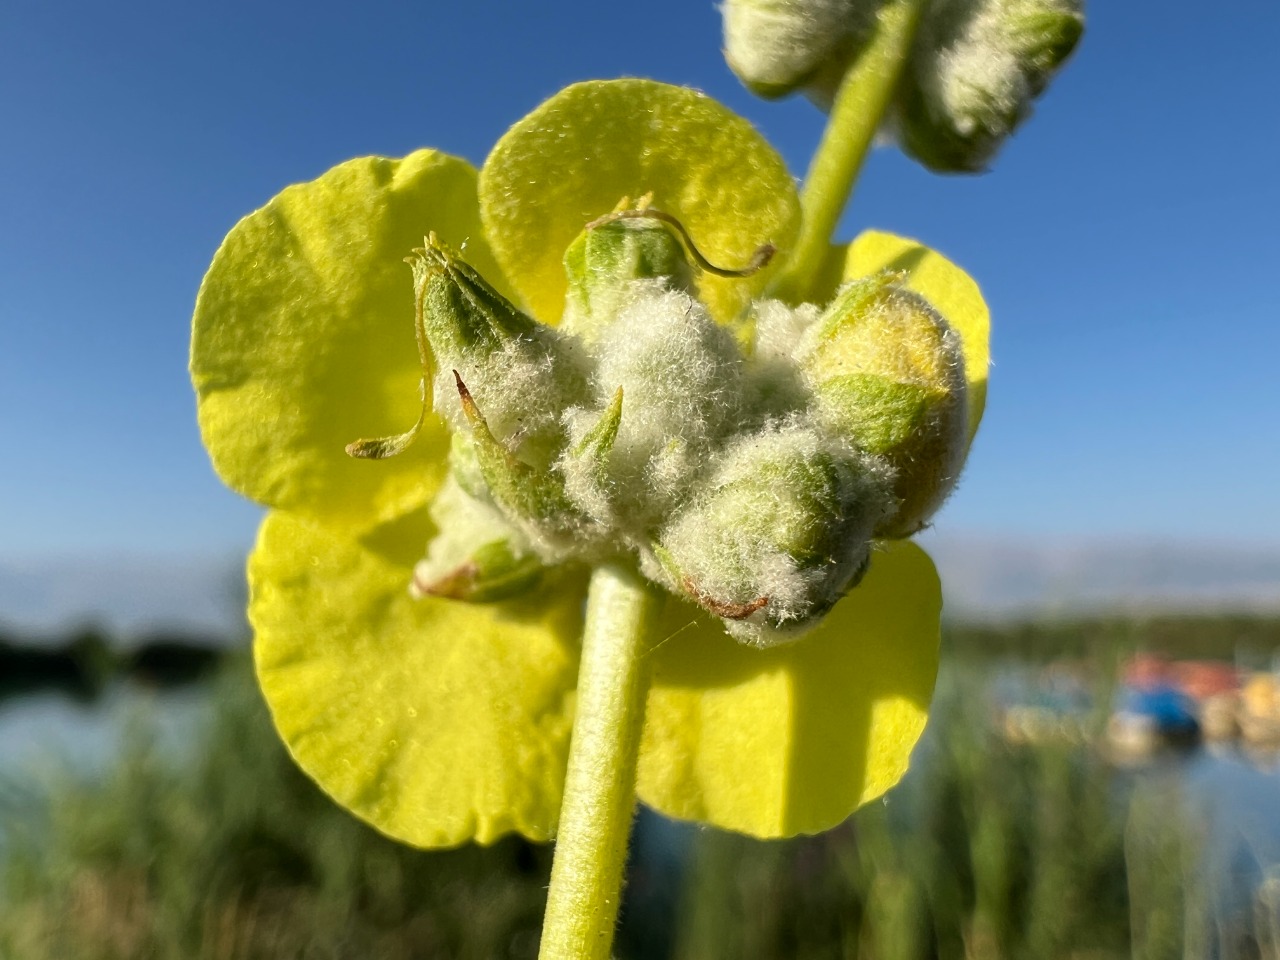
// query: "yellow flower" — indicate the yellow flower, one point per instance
point(439, 721)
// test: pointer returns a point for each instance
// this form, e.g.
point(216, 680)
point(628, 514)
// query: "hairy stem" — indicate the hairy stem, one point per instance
point(860, 105)
point(600, 786)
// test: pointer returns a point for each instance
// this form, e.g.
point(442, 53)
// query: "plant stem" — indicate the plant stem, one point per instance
point(600, 786)
point(857, 113)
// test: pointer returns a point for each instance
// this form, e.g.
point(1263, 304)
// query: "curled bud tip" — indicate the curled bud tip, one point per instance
point(381, 448)
point(759, 260)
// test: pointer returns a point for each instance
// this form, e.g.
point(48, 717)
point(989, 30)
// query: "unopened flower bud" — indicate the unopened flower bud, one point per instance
point(476, 555)
point(459, 311)
point(608, 255)
point(776, 46)
point(888, 374)
point(525, 373)
point(780, 533)
point(976, 67)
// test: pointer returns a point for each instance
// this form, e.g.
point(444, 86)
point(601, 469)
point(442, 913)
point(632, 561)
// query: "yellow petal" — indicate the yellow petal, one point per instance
point(952, 291)
point(578, 154)
point(303, 337)
point(435, 721)
point(793, 739)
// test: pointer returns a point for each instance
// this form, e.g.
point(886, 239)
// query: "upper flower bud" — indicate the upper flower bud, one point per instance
point(888, 373)
point(976, 67)
point(609, 254)
point(522, 374)
point(776, 46)
point(781, 532)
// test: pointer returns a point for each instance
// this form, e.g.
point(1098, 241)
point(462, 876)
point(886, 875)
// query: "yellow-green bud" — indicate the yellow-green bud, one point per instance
point(609, 254)
point(476, 555)
point(779, 534)
point(975, 69)
point(777, 46)
point(887, 373)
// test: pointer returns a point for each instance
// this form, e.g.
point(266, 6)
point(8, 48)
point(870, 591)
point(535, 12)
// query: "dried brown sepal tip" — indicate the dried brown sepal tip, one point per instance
point(723, 608)
point(468, 403)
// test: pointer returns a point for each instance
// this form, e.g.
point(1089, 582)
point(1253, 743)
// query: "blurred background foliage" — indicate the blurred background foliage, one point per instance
point(993, 847)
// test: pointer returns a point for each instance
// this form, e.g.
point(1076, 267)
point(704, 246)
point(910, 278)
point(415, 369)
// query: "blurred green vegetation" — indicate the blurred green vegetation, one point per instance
point(1221, 637)
point(230, 852)
point(987, 850)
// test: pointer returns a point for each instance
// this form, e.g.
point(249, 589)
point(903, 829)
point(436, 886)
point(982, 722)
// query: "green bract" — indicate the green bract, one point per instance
point(440, 721)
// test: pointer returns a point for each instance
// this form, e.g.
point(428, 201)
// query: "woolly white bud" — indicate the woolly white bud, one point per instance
point(976, 67)
point(779, 533)
point(775, 46)
point(681, 375)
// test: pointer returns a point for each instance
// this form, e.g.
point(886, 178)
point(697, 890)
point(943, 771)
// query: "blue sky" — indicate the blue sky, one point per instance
point(1126, 240)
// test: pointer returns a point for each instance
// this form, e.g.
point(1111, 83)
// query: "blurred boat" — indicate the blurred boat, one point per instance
point(1259, 714)
point(1151, 717)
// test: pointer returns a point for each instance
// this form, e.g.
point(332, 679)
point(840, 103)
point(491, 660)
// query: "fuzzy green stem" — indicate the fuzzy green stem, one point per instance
point(860, 105)
point(600, 786)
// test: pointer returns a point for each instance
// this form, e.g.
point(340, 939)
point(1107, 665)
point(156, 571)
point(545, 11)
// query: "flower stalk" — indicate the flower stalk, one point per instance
point(600, 785)
point(861, 102)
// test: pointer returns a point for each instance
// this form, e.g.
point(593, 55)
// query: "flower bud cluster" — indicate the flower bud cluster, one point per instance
point(752, 480)
point(970, 79)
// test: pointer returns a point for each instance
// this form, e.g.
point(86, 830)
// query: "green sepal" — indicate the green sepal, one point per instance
point(881, 415)
point(495, 571)
point(525, 492)
point(1044, 39)
point(597, 443)
point(464, 466)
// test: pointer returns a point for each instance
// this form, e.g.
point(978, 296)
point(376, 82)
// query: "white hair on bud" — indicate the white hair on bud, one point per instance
point(776, 385)
point(971, 65)
point(979, 84)
point(586, 482)
point(780, 327)
point(778, 43)
point(521, 389)
point(681, 377)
